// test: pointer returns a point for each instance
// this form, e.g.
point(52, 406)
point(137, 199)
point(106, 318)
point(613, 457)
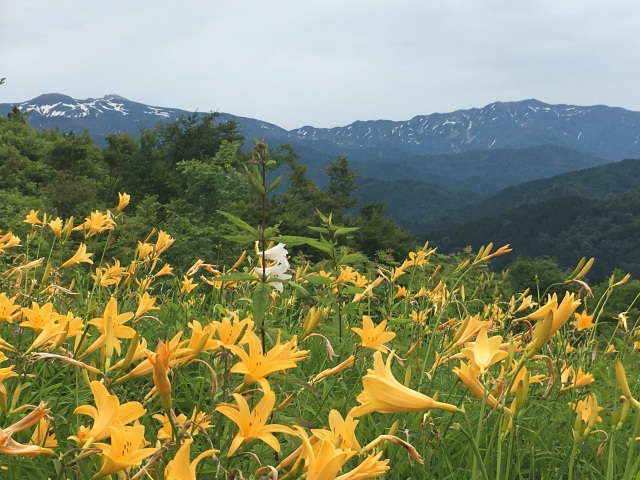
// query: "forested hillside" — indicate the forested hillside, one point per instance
point(178, 175)
point(597, 182)
point(566, 228)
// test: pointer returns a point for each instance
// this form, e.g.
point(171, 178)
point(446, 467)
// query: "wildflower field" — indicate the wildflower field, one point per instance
point(281, 367)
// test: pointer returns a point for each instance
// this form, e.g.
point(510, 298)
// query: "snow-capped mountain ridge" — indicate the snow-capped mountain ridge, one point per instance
point(497, 125)
point(57, 105)
point(607, 132)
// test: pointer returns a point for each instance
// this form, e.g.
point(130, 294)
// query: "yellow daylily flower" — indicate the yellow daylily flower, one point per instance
point(56, 227)
point(571, 379)
point(187, 286)
point(81, 255)
point(374, 336)
point(256, 366)
point(561, 311)
point(485, 351)
point(97, 222)
point(469, 373)
point(8, 307)
point(229, 331)
point(163, 242)
point(145, 304)
point(467, 330)
point(37, 316)
point(583, 321)
point(587, 415)
point(126, 450)
point(323, 461)
point(180, 467)
point(8, 240)
point(252, 424)
point(111, 327)
point(370, 467)
point(8, 446)
point(56, 330)
point(110, 275)
point(32, 218)
point(43, 436)
point(401, 292)
point(201, 339)
point(143, 250)
point(383, 393)
point(341, 432)
point(165, 270)
point(346, 275)
point(123, 201)
point(623, 318)
point(107, 413)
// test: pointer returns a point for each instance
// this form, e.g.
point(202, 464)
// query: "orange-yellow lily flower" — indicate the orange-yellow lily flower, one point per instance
point(126, 450)
point(107, 412)
point(180, 467)
point(256, 366)
point(123, 201)
point(252, 424)
point(81, 255)
point(383, 393)
point(374, 336)
point(8, 446)
point(485, 351)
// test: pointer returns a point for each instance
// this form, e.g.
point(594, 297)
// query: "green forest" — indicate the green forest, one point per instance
point(178, 176)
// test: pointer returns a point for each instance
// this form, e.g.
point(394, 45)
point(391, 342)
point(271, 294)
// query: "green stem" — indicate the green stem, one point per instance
point(610, 456)
point(509, 452)
point(476, 452)
point(572, 458)
point(628, 470)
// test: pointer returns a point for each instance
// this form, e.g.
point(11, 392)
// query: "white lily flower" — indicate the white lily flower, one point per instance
point(276, 254)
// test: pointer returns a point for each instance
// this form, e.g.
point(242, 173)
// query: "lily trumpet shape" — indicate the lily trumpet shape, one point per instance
point(180, 468)
point(383, 393)
point(252, 424)
point(8, 446)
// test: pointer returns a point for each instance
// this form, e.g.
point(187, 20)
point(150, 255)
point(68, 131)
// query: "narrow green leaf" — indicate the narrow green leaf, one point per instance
point(345, 230)
point(293, 240)
point(240, 238)
point(238, 222)
point(261, 299)
point(275, 184)
point(400, 321)
point(318, 280)
point(236, 277)
point(319, 229)
point(352, 258)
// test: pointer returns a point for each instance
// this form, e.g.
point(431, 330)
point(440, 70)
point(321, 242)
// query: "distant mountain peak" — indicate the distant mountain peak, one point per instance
point(611, 133)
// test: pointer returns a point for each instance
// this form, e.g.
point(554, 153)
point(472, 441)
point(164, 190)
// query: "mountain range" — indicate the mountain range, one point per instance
point(600, 131)
point(435, 173)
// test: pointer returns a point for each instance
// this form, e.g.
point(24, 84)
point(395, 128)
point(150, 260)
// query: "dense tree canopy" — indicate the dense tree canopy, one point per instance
point(178, 175)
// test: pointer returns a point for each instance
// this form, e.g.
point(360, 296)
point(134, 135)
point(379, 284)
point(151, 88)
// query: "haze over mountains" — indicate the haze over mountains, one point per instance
point(434, 171)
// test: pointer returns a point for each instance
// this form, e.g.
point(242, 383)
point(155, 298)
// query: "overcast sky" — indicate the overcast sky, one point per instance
point(323, 62)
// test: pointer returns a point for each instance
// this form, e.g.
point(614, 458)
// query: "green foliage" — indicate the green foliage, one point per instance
point(535, 275)
point(566, 228)
point(378, 232)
